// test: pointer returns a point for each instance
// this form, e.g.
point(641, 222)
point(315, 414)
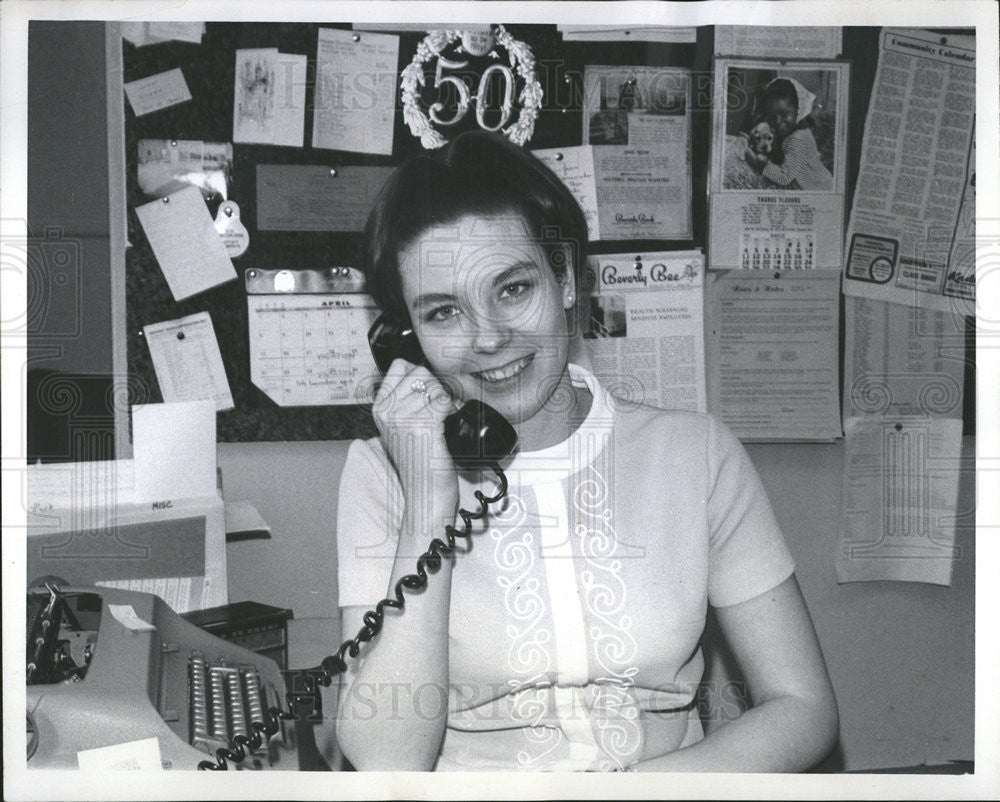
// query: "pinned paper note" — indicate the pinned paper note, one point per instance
point(141, 755)
point(269, 97)
point(575, 166)
point(148, 33)
point(776, 41)
point(168, 165)
point(772, 353)
point(233, 233)
point(173, 446)
point(900, 499)
point(639, 117)
point(157, 92)
point(187, 360)
point(674, 34)
point(176, 31)
point(355, 115)
point(182, 234)
point(306, 197)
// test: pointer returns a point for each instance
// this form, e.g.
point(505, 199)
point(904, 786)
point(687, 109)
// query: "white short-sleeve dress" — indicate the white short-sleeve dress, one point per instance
point(578, 608)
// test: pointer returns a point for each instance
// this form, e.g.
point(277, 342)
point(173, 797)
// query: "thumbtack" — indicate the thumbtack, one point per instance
point(559, 157)
point(356, 38)
point(333, 172)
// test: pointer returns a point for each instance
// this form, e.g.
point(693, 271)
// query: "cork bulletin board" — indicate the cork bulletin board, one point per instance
point(209, 70)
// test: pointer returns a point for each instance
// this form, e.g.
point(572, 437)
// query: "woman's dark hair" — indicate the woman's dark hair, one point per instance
point(477, 173)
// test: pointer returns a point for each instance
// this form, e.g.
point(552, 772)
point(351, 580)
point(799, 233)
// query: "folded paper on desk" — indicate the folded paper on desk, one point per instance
point(244, 522)
point(86, 527)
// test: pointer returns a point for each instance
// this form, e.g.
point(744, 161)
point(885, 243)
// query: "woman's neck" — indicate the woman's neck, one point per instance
point(565, 410)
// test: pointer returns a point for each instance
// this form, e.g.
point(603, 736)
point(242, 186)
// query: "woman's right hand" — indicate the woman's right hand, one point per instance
point(409, 410)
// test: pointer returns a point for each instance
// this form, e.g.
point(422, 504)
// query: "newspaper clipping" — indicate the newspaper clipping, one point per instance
point(911, 237)
point(779, 156)
point(772, 348)
point(778, 41)
point(642, 327)
point(637, 118)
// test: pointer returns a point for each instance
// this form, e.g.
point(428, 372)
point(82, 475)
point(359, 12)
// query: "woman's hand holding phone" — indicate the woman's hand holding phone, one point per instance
point(409, 410)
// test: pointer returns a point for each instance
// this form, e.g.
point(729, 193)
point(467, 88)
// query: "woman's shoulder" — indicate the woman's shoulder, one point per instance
point(648, 424)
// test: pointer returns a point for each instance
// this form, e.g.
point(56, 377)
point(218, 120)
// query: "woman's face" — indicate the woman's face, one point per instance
point(489, 312)
point(781, 115)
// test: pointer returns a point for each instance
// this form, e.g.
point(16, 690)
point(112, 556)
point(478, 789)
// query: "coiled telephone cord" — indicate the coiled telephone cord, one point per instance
point(336, 663)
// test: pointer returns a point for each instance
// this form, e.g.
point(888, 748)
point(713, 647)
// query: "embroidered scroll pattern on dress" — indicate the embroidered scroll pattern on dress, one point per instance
point(529, 656)
point(616, 714)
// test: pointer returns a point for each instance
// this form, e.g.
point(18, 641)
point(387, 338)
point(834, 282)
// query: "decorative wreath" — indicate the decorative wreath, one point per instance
point(521, 59)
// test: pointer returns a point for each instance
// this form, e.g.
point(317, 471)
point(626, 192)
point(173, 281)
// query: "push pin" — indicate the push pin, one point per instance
point(173, 143)
point(166, 200)
point(333, 172)
point(638, 263)
point(228, 211)
point(356, 37)
point(559, 157)
point(180, 335)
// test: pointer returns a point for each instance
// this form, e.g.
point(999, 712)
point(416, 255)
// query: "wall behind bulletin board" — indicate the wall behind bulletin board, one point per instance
point(209, 70)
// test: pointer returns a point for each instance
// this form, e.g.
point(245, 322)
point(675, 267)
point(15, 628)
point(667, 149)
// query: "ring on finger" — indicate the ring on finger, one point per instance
point(418, 386)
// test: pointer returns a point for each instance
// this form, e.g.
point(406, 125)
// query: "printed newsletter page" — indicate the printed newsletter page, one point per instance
point(642, 327)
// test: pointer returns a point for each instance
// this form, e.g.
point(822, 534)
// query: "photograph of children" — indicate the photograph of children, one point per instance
point(780, 129)
point(613, 93)
point(608, 317)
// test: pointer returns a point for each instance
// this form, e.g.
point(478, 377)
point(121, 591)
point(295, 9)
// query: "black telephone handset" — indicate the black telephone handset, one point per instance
point(476, 434)
point(478, 437)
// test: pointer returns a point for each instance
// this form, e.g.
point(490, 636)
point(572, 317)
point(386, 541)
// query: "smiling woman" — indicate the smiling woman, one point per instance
point(564, 634)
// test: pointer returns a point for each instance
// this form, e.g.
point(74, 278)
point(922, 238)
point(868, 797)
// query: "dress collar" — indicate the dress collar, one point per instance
point(581, 448)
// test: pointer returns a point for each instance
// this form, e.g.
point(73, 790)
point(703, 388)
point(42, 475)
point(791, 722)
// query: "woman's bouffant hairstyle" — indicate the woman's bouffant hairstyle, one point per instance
point(478, 173)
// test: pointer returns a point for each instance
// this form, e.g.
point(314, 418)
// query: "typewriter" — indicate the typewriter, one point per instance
point(106, 666)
